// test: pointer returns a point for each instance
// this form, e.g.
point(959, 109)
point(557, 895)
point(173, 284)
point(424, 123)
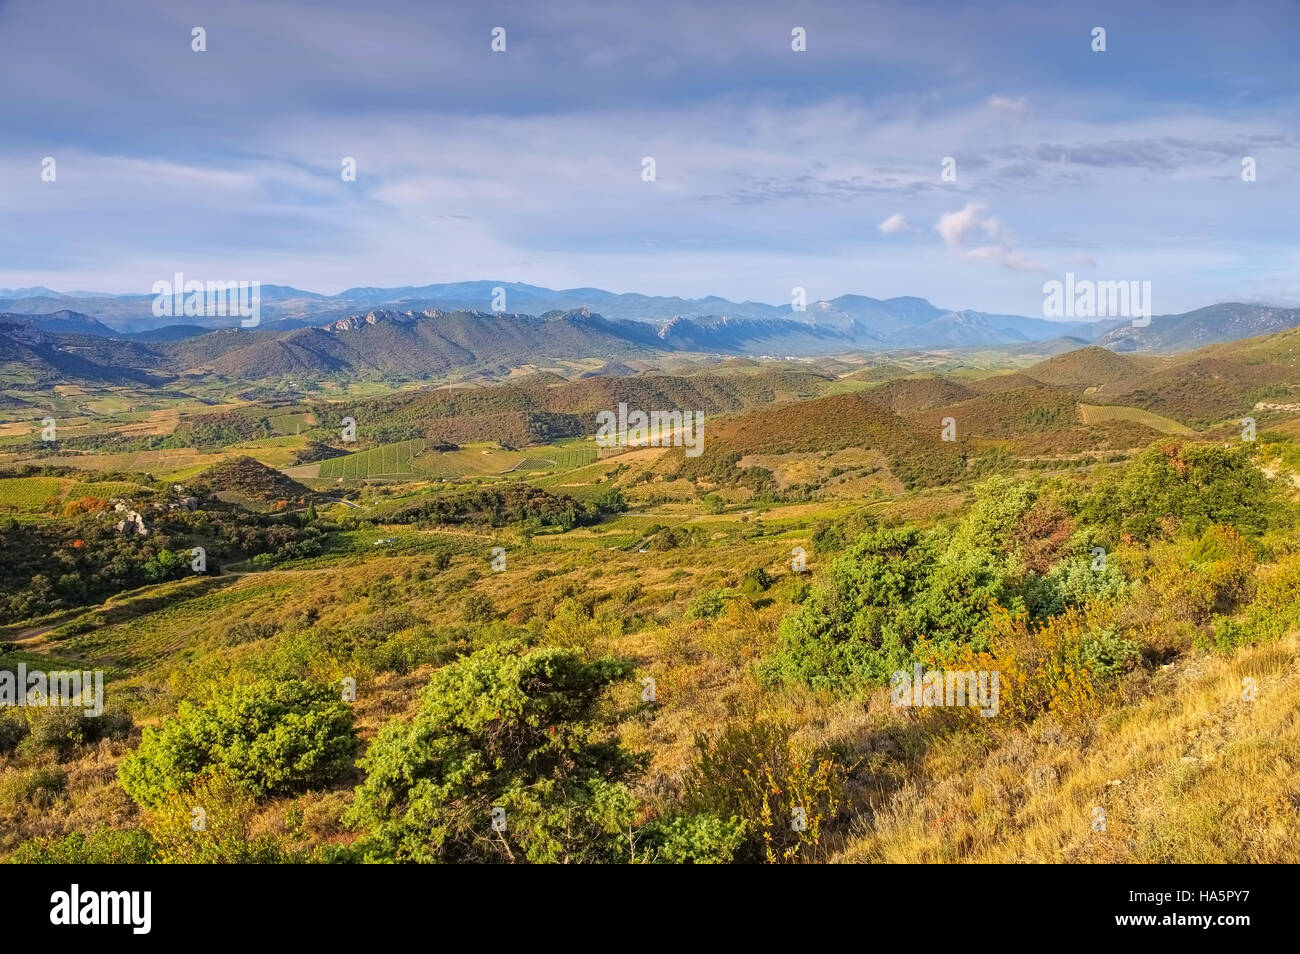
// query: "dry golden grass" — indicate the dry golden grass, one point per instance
point(1187, 771)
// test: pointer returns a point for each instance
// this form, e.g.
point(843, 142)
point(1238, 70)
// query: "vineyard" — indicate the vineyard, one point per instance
point(29, 494)
point(387, 460)
point(106, 490)
point(1098, 413)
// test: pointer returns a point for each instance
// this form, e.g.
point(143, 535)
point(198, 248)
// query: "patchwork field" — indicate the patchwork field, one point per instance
point(1099, 413)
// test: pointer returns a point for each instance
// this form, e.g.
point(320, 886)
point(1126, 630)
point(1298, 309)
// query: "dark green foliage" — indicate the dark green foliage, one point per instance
point(271, 737)
point(610, 500)
point(494, 506)
point(890, 589)
point(315, 451)
point(477, 608)
point(502, 728)
point(43, 568)
point(251, 479)
point(60, 729)
point(692, 840)
point(66, 562)
point(708, 604)
point(1178, 486)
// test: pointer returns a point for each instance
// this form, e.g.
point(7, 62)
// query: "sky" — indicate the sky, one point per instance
point(774, 168)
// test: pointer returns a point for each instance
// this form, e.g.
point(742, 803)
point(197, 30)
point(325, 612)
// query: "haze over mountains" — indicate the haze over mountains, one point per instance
point(852, 320)
point(438, 329)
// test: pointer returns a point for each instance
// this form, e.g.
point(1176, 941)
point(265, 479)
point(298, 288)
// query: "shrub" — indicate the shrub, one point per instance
point(1190, 579)
point(712, 503)
point(13, 729)
point(35, 786)
point(610, 500)
point(477, 608)
point(1074, 582)
point(60, 729)
point(708, 605)
point(1064, 665)
point(502, 728)
point(270, 737)
point(1178, 485)
point(756, 773)
point(209, 824)
point(1274, 611)
point(694, 839)
point(893, 587)
point(104, 846)
point(755, 581)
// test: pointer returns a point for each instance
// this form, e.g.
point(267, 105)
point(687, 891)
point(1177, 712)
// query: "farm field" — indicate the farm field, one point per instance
point(29, 494)
point(1098, 413)
point(387, 460)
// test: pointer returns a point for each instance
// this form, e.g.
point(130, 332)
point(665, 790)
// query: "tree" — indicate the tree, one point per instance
point(504, 734)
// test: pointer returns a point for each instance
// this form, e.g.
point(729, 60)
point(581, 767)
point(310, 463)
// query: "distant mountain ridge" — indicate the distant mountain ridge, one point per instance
point(65, 346)
point(859, 320)
point(1213, 324)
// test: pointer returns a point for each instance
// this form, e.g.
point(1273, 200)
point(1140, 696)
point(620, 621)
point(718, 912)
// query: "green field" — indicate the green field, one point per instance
point(105, 489)
point(29, 493)
point(292, 423)
point(387, 460)
point(1097, 413)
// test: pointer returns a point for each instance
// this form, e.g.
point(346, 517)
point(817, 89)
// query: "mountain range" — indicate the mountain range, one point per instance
point(68, 345)
point(860, 321)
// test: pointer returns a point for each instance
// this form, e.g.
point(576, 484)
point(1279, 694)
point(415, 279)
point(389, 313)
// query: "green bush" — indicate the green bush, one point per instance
point(104, 846)
point(477, 608)
point(757, 774)
point(271, 737)
point(893, 587)
point(1178, 486)
point(504, 728)
point(60, 729)
point(1107, 653)
point(708, 605)
point(694, 839)
point(34, 786)
point(13, 729)
point(755, 581)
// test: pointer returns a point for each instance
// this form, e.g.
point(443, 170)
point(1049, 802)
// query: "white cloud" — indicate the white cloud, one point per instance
point(895, 223)
point(955, 226)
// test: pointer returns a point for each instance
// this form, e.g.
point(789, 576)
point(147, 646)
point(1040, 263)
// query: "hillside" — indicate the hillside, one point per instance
point(34, 357)
point(916, 456)
point(1221, 381)
point(539, 409)
point(918, 393)
point(1204, 326)
point(827, 536)
point(1088, 369)
point(241, 479)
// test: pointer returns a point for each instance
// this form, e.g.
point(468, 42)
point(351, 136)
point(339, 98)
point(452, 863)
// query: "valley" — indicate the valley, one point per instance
point(708, 640)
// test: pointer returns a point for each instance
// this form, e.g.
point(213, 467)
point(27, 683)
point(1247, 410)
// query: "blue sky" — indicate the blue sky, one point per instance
point(775, 169)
